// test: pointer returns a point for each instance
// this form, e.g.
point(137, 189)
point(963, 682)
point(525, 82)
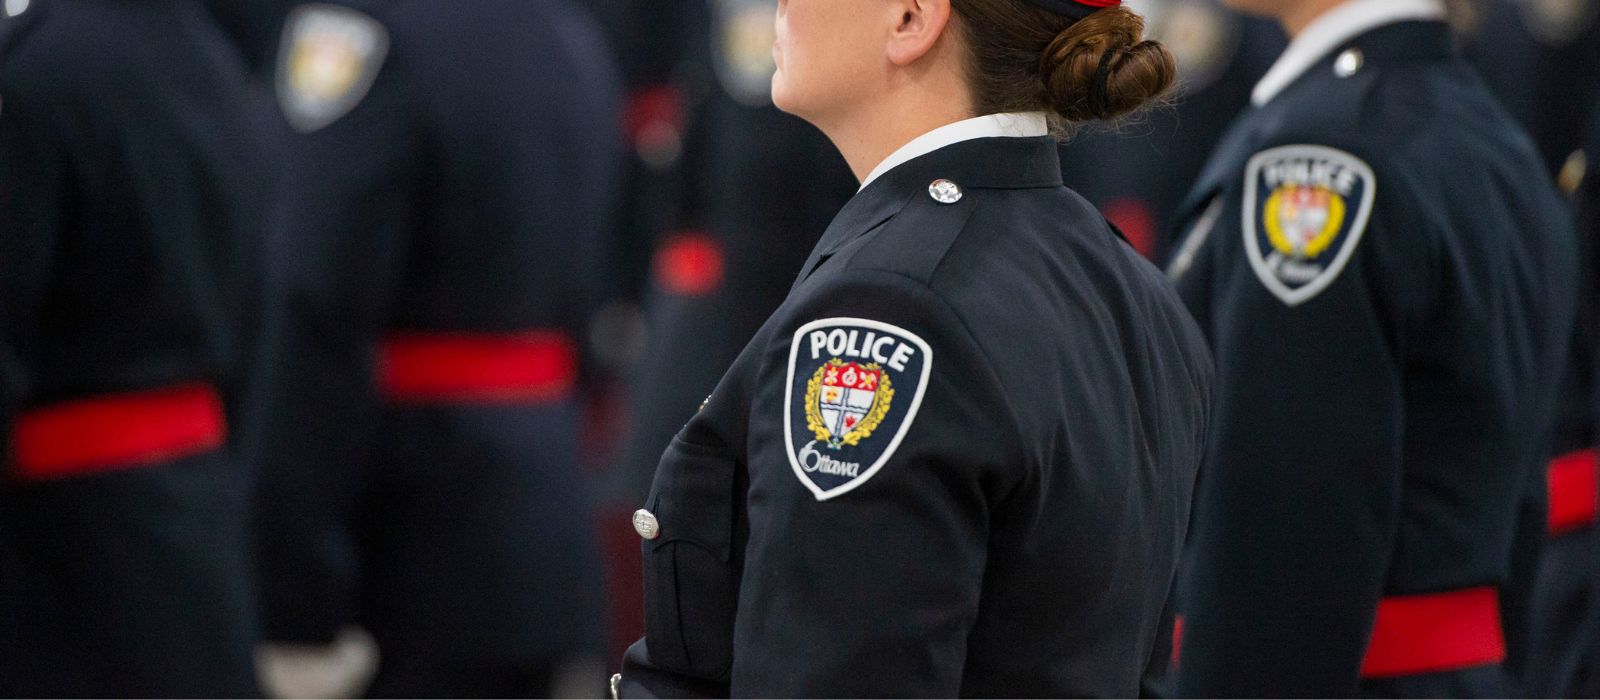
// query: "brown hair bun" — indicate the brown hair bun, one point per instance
point(1022, 58)
point(1101, 68)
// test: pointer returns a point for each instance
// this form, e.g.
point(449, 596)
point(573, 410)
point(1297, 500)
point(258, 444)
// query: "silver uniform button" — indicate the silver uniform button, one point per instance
point(944, 191)
point(1349, 63)
point(644, 523)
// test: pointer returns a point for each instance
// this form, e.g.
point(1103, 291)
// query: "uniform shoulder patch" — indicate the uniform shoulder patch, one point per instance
point(1305, 211)
point(1558, 23)
point(329, 58)
point(854, 387)
point(742, 34)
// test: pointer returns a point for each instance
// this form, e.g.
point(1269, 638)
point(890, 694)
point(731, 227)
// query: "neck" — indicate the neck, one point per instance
point(875, 131)
point(1298, 16)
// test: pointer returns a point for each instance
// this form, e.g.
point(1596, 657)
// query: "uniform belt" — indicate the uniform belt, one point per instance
point(117, 431)
point(1435, 632)
point(1571, 484)
point(522, 367)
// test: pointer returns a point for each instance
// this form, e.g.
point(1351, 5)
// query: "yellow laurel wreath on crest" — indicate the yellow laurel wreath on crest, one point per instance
point(1318, 243)
point(875, 415)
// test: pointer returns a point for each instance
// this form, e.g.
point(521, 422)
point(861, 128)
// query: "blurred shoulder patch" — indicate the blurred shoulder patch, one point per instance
point(742, 33)
point(329, 58)
point(1559, 22)
point(1306, 209)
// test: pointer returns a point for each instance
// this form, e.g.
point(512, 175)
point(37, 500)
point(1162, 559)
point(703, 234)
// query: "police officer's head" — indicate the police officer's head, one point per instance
point(844, 60)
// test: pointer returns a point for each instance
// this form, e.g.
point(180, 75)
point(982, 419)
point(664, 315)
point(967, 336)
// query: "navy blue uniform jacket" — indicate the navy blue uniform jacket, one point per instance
point(1386, 278)
point(133, 202)
point(956, 461)
point(420, 445)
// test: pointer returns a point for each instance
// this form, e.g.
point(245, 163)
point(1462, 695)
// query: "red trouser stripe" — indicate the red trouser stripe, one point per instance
point(1571, 482)
point(118, 431)
point(1435, 632)
point(532, 366)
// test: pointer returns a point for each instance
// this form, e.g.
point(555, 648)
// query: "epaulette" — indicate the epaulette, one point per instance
point(915, 241)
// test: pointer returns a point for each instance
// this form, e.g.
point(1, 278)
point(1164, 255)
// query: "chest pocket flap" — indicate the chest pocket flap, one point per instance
point(691, 575)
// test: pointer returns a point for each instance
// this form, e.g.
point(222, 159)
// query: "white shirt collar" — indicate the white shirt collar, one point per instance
point(1333, 28)
point(1015, 124)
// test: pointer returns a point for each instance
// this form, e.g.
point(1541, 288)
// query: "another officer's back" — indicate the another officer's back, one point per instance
point(422, 479)
point(1386, 279)
point(132, 206)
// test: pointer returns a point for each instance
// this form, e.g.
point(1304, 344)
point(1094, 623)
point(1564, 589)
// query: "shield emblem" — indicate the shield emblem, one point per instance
point(742, 35)
point(1558, 22)
point(854, 388)
point(329, 60)
point(1305, 211)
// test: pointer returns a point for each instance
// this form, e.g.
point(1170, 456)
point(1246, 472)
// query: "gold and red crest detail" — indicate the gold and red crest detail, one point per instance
point(846, 401)
point(1302, 221)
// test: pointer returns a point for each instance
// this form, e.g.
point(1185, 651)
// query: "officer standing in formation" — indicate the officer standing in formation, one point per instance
point(957, 459)
point(1564, 660)
point(133, 200)
point(1386, 277)
point(1541, 58)
point(452, 169)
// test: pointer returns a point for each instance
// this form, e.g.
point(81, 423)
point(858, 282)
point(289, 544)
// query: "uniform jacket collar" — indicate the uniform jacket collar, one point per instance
point(1334, 29)
point(992, 163)
point(1017, 124)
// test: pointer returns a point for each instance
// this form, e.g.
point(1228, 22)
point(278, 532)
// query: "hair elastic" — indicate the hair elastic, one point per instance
point(1097, 87)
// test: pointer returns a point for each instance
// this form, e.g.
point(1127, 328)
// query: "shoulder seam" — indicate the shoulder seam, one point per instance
point(966, 328)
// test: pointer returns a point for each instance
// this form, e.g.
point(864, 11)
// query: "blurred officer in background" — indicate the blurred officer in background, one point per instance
point(1541, 58)
point(453, 169)
point(1564, 659)
point(764, 187)
point(132, 203)
point(1386, 277)
point(957, 458)
point(756, 189)
point(1138, 174)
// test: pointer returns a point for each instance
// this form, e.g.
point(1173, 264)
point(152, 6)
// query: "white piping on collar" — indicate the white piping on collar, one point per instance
point(1010, 124)
point(1333, 28)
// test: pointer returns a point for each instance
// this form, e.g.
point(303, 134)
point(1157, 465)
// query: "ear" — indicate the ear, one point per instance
point(920, 25)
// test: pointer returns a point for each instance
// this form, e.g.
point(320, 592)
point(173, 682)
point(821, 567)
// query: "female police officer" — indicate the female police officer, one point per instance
point(958, 458)
point(1386, 276)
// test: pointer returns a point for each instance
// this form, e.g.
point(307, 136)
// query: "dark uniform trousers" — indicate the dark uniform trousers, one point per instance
point(134, 204)
point(1386, 280)
point(1009, 521)
point(420, 458)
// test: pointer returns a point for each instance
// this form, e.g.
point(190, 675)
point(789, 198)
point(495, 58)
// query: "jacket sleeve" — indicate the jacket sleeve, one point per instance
point(1298, 499)
point(880, 439)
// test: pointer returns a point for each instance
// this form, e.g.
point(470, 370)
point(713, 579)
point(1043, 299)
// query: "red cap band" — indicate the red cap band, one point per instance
point(1076, 9)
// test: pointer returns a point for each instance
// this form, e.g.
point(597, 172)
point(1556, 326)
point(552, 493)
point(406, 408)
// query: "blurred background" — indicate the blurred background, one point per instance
point(389, 308)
